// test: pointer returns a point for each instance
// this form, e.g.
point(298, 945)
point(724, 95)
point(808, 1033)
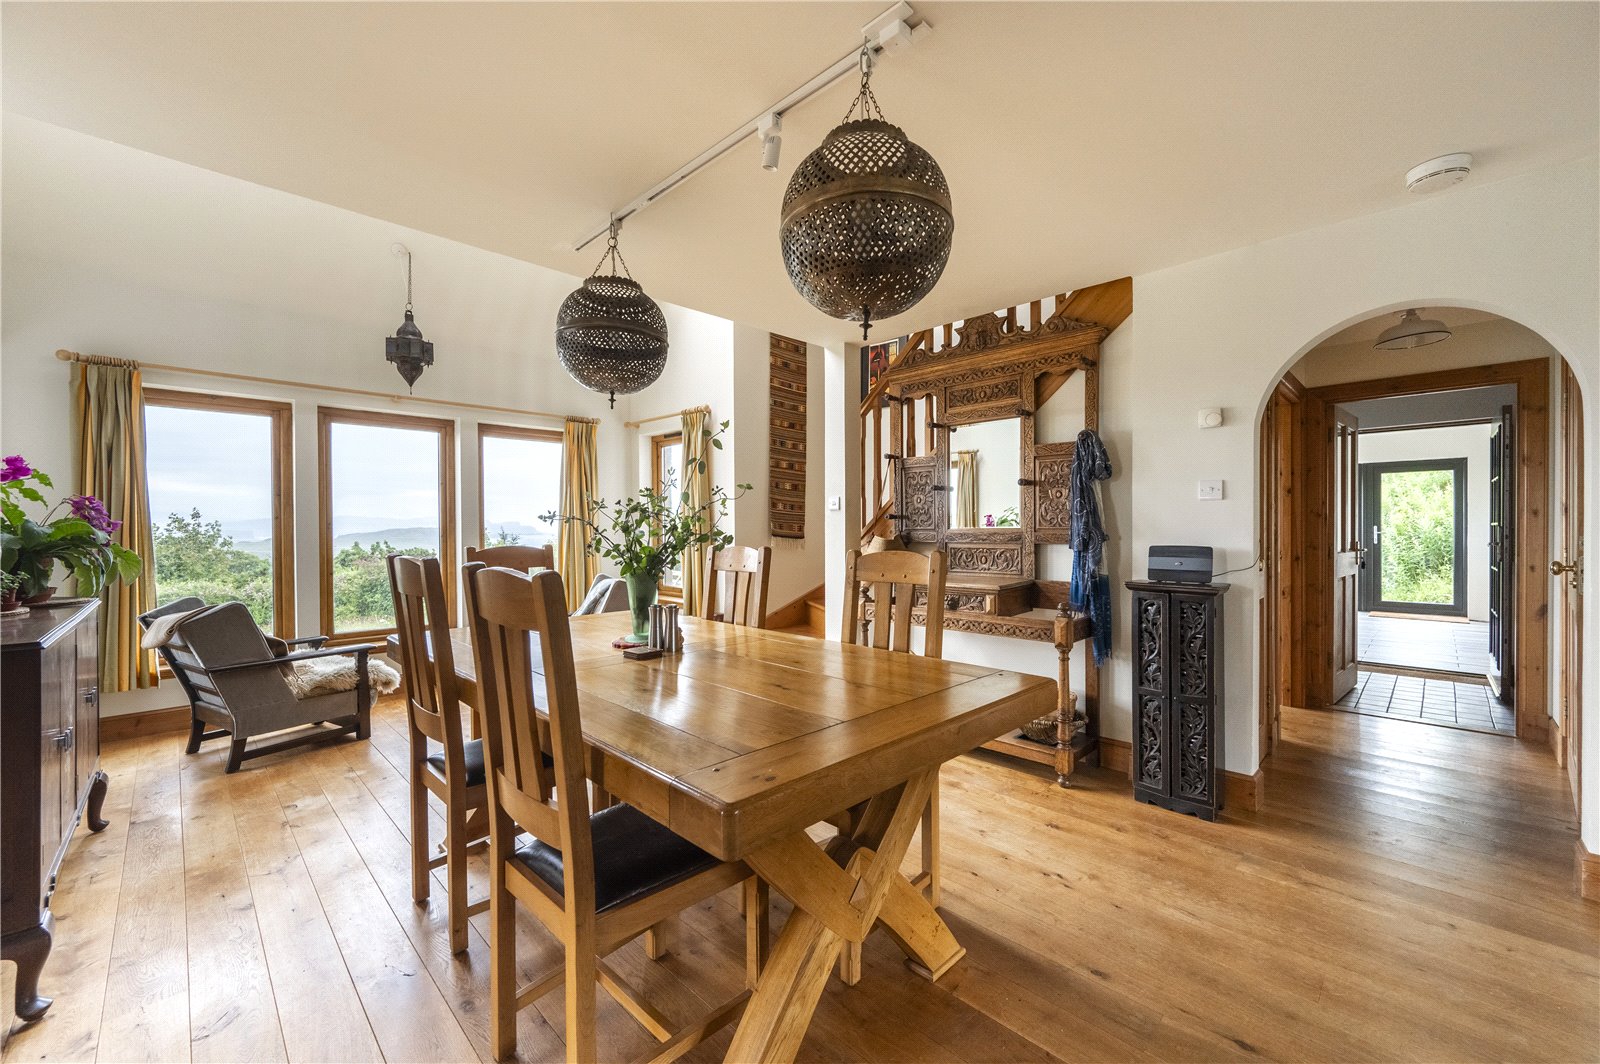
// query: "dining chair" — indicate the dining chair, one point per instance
point(442, 760)
point(892, 583)
point(595, 880)
point(740, 572)
point(514, 556)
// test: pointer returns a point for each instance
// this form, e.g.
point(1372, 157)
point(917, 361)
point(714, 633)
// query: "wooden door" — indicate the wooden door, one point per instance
point(1571, 564)
point(1347, 553)
point(1502, 551)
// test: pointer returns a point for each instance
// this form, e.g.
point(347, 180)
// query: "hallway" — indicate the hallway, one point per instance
point(1424, 643)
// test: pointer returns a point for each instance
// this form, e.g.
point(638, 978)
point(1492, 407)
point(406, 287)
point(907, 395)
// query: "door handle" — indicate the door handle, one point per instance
point(1557, 568)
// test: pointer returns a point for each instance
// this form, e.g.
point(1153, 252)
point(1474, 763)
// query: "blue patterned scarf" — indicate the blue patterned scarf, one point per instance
point(1091, 587)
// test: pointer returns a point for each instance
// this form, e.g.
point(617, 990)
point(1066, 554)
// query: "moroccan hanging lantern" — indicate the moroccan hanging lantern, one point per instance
point(866, 221)
point(610, 336)
point(409, 352)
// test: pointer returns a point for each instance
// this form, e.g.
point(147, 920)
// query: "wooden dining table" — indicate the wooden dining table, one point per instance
point(745, 738)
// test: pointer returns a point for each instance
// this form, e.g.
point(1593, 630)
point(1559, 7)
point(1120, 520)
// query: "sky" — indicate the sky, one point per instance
point(219, 462)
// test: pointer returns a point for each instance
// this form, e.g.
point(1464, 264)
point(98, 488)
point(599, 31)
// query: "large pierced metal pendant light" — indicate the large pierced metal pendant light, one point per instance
point(609, 335)
point(866, 221)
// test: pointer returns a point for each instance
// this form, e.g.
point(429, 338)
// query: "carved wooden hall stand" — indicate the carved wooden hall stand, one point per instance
point(991, 368)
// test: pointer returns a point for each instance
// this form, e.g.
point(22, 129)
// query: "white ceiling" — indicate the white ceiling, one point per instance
point(1082, 142)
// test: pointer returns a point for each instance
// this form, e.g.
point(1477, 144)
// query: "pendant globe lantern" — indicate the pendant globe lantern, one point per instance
point(610, 336)
point(409, 352)
point(866, 222)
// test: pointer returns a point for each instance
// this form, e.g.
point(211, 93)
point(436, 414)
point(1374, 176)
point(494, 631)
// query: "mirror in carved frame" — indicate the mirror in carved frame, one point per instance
point(985, 466)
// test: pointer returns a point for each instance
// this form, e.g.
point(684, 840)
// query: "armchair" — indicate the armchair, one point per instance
point(238, 682)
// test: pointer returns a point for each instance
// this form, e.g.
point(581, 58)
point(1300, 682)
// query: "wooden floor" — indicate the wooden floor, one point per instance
point(1406, 894)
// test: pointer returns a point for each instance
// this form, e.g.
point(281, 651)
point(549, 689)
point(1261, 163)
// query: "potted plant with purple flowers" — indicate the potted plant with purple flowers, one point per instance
point(80, 538)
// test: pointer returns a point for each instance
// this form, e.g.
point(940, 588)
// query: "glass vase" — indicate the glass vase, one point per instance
point(641, 596)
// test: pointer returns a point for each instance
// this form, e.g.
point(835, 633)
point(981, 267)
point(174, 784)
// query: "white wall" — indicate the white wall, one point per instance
point(113, 251)
point(1457, 441)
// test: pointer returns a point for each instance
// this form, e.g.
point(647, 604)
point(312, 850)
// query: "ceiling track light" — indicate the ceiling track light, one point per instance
point(770, 130)
point(896, 28)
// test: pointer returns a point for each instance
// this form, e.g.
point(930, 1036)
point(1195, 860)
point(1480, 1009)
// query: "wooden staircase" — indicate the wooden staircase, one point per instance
point(806, 615)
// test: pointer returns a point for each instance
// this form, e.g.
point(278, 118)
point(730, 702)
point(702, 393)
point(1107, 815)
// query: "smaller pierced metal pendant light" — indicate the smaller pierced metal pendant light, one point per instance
point(609, 335)
point(866, 221)
point(409, 352)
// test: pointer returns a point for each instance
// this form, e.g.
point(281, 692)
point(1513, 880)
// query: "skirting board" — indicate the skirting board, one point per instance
point(1588, 873)
point(1239, 790)
point(149, 722)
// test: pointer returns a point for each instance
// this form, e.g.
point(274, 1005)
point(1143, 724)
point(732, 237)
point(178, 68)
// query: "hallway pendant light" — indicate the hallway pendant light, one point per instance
point(610, 336)
point(1412, 331)
point(409, 352)
point(866, 221)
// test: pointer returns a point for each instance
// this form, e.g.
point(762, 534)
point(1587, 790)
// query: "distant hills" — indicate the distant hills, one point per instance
point(400, 536)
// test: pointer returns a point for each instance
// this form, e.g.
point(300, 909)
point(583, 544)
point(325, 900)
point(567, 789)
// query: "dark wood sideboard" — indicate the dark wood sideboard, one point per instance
point(49, 772)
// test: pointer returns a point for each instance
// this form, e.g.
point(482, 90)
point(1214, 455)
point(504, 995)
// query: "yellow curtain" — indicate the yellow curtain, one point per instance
point(966, 464)
point(108, 409)
point(697, 482)
point(579, 476)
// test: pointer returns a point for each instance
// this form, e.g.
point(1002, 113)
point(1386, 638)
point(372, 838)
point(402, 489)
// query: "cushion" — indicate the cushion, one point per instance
point(597, 595)
point(471, 755)
point(472, 758)
point(633, 857)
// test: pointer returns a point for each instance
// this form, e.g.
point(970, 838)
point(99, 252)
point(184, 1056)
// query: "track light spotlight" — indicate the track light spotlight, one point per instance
point(770, 129)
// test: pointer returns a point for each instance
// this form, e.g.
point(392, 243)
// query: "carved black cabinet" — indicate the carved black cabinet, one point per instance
point(1177, 695)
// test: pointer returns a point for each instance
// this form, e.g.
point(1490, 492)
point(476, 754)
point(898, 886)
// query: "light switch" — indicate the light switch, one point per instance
point(836, 502)
point(1209, 489)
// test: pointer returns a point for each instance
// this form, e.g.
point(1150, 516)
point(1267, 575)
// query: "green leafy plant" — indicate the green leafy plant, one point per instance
point(649, 532)
point(79, 539)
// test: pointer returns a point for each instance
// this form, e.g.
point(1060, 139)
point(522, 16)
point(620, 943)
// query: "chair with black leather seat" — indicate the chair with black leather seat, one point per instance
point(598, 880)
point(442, 760)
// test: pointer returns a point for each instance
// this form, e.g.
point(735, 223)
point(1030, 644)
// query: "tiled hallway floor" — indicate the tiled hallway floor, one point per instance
point(1454, 705)
point(1423, 643)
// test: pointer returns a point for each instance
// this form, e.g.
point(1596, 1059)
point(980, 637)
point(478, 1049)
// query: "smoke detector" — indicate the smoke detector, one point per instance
point(1439, 173)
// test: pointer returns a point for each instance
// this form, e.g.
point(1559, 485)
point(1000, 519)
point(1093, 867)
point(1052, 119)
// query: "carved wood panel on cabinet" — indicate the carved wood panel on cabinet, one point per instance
point(1178, 711)
point(1052, 471)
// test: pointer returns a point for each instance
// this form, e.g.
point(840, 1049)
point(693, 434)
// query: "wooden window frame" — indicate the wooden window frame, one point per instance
point(327, 417)
point(509, 432)
point(281, 419)
point(658, 443)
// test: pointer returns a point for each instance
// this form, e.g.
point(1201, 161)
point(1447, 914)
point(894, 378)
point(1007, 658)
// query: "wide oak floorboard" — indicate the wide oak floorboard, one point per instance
point(1405, 894)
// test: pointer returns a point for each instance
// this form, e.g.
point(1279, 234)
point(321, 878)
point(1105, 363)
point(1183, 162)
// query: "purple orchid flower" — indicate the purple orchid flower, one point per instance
point(92, 510)
point(14, 468)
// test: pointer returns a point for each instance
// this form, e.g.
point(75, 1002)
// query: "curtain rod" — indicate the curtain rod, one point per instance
point(662, 417)
point(106, 360)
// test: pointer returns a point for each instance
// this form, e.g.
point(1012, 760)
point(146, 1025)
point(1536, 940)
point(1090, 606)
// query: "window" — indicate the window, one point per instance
point(666, 478)
point(519, 479)
point(222, 516)
point(387, 483)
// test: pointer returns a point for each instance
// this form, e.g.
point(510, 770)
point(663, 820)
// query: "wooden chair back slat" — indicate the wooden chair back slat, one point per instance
point(516, 556)
point(432, 705)
point(735, 588)
point(506, 610)
point(893, 579)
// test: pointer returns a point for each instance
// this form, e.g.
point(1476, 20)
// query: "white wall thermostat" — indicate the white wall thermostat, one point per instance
point(1211, 417)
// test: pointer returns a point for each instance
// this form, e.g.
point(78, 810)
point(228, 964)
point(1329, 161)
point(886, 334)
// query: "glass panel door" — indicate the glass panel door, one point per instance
point(1413, 521)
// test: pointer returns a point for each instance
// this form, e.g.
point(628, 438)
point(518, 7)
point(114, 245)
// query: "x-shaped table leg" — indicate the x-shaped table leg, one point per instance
point(839, 894)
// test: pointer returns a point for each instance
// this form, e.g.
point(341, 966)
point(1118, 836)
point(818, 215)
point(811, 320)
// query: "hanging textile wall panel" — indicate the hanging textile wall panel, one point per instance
point(108, 407)
point(579, 480)
point(786, 455)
